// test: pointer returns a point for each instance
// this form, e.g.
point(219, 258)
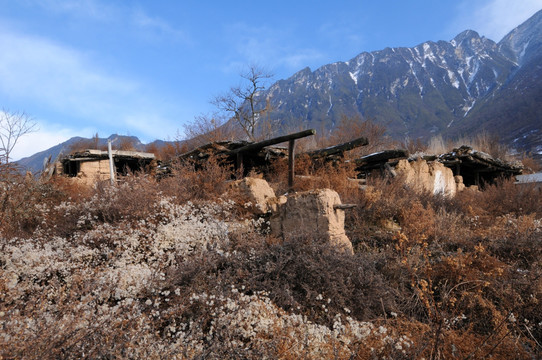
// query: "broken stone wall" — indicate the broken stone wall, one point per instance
point(313, 214)
point(433, 177)
point(93, 171)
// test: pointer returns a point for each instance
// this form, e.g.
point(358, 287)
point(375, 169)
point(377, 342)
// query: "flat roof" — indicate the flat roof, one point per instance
point(96, 154)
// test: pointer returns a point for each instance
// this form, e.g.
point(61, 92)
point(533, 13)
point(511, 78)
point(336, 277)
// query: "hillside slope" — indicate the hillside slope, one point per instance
point(455, 87)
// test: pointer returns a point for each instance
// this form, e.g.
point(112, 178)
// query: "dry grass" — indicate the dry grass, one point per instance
point(485, 142)
point(353, 127)
point(169, 270)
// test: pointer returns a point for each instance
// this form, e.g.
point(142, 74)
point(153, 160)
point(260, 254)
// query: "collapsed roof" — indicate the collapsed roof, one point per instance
point(226, 152)
point(125, 161)
point(476, 167)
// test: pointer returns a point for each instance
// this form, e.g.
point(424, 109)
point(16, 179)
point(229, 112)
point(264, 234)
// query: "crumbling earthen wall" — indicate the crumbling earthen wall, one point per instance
point(257, 192)
point(433, 177)
point(93, 171)
point(312, 213)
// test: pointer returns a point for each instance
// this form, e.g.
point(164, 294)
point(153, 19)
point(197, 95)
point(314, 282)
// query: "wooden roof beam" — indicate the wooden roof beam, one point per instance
point(277, 140)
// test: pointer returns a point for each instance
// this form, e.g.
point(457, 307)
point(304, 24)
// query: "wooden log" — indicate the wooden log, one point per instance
point(213, 147)
point(429, 157)
point(389, 170)
point(339, 149)
point(239, 165)
point(344, 206)
point(450, 162)
point(382, 156)
point(277, 140)
point(291, 163)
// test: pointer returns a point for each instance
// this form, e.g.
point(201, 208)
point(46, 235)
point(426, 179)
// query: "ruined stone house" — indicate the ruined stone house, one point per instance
point(90, 166)
point(444, 174)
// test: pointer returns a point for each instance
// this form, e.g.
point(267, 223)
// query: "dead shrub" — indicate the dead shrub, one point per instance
point(23, 200)
point(418, 222)
point(191, 182)
point(516, 240)
point(530, 164)
point(315, 174)
point(452, 230)
point(353, 127)
point(384, 200)
point(503, 197)
point(133, 199)
point(304, 276)
point(82, 208)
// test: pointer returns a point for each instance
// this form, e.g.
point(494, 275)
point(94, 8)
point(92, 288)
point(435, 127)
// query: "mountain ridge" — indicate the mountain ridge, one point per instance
point(421, 91)
point(454, 88)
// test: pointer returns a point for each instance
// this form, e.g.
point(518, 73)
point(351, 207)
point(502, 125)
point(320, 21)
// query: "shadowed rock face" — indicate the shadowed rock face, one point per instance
point(313, 214)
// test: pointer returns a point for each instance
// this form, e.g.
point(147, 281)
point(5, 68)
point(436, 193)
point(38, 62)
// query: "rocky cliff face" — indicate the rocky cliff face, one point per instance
point(513, 110)
point(445, 87)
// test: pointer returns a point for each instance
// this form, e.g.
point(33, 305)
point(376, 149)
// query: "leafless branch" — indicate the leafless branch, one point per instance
point(13, 125)
point(242, 102)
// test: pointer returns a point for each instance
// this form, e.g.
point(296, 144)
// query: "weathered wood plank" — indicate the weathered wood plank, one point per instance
point(277, 140)
point(337, 149)
point(291, 163)
point(382, 156)
point(344, 206)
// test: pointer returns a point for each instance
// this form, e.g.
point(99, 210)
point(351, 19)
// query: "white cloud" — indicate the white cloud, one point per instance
point(36, 69)
point(152, 124)
point(260, 45)
point(494, 18)
point(157, 26)
point(47, 135)
point(52, 76)
point(301, 58)
point(134, 17)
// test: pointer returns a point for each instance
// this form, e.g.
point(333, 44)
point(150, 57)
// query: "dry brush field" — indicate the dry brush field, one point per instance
point(179, 269)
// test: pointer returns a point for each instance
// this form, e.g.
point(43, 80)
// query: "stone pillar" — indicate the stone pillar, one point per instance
point(312, 214)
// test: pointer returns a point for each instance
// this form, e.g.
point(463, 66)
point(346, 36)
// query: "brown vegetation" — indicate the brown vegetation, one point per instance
point(173, 269)
point(168, 152)
point(83, 144)
point(353, 127)
point(486, 142)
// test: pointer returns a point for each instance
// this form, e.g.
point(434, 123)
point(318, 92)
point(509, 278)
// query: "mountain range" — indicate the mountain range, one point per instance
point(455, 88)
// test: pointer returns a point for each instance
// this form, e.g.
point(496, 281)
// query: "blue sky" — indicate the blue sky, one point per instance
point(145, 68)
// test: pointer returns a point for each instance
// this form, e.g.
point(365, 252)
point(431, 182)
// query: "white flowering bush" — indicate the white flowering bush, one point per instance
point(106, 289)
point(140, 270)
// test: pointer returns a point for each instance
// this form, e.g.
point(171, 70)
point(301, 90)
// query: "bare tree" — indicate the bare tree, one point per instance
point(209, 128)
point(242, 101)
point(13, 125)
